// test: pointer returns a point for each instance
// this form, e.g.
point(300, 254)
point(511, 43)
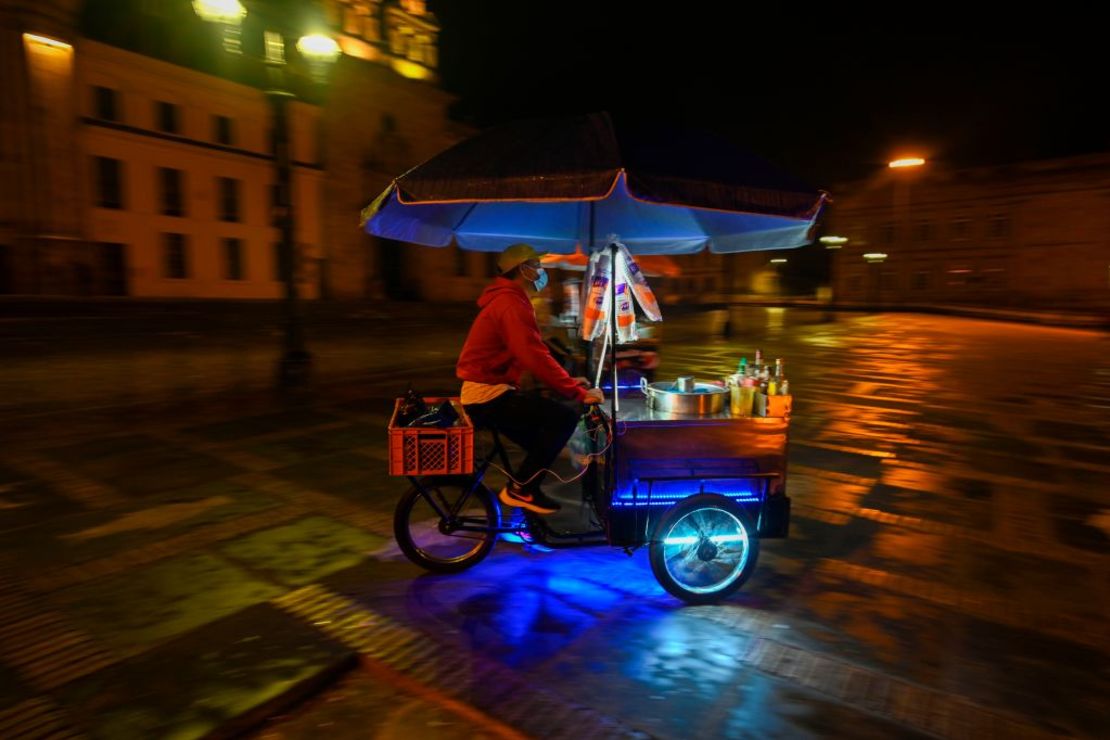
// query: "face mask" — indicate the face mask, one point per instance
point(541, 280)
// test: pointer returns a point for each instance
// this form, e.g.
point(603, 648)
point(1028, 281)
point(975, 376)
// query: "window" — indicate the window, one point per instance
point(275, 204)
point(993, 277)
point(999, 227)
point(176, 258)
point(222, 130)
point(105, 104)
point(172, 201)
point(958, 274)
point(921, 280)
point(166, 117)
point(923, 232)
point(352, 21)
point(886, 235)
point(233, 259)
point(279, 262)
point(460, 262)
point(109, 182)
point(961, 228)
point(229, 198)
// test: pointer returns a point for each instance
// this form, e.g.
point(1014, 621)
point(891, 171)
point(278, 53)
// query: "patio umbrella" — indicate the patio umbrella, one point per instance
point(569, 183)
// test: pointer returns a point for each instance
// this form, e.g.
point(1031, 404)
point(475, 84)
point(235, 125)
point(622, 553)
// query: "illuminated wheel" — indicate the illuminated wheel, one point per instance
point(704, 548)
point(446, 544)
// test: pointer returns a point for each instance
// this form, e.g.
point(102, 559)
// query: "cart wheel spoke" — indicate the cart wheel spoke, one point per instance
point(705, 549)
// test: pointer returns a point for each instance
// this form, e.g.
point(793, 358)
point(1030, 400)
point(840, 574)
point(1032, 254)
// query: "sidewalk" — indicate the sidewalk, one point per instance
point(158, 572)
point(185, 570)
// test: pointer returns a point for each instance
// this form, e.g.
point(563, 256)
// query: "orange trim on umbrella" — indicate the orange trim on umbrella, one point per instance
point(621, 172)
point(612, 187)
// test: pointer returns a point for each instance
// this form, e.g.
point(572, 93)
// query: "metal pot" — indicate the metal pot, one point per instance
point(702, 399)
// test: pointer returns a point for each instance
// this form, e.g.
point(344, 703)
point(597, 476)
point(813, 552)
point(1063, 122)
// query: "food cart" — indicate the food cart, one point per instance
point(698, 489)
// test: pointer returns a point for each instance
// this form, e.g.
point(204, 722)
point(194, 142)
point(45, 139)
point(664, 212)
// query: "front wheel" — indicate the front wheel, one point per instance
point(444, 526)
point(703, 549)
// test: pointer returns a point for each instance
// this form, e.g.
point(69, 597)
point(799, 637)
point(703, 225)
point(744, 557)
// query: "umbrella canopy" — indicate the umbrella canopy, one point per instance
point(569, 183)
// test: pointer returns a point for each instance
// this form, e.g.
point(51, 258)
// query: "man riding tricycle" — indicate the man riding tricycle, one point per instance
point(684, 476)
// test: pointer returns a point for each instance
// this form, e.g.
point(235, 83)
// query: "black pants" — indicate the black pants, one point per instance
point(538, 424)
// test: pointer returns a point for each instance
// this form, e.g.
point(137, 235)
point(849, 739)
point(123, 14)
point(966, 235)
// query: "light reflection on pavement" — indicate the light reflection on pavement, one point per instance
point(917, 526)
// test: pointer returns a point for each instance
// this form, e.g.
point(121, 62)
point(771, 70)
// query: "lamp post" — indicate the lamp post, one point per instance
point(319, 50)
point(904, 168)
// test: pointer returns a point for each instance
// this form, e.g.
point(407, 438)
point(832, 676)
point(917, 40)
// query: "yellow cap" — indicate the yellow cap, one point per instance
point(515, 255)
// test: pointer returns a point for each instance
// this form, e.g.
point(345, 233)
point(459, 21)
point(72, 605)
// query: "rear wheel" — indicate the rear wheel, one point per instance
point(703, 549)
point(440, 543)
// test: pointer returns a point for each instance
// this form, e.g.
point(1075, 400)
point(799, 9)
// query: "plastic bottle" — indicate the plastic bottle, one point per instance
point(626, 317)
point(640, 288)
point(595, 308)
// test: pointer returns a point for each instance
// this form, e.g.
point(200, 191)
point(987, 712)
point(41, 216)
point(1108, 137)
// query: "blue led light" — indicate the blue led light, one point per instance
point(714, 538)
point(670, 500)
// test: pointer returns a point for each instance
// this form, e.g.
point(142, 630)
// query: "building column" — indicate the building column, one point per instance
point(43, 181)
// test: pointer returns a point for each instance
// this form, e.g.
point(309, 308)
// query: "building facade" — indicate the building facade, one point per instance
point(180, 181)
point(136, 150)
point(136, 156)
point(1029, 235)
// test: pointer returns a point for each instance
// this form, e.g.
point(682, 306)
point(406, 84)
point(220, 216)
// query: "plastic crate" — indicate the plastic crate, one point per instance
point(431, 450)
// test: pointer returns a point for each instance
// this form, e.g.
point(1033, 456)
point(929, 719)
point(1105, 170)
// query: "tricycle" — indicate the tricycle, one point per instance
point(698, 490)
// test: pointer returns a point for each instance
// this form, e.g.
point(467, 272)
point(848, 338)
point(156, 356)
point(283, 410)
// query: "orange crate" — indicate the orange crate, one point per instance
point(431, 450)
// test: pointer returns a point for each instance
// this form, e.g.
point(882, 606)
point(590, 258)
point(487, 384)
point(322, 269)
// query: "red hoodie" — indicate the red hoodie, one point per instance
point(504, 341)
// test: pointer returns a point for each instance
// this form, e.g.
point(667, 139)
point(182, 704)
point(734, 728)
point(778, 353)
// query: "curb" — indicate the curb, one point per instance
point(288, 700)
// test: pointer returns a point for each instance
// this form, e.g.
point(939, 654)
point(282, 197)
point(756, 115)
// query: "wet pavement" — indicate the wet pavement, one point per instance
point(946, 573)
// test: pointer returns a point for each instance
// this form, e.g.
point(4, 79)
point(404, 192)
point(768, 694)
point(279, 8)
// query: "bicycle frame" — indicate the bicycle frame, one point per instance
point(451, 522)
point(450, 515)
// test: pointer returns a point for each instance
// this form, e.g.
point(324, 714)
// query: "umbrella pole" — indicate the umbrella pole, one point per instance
point(601, 362)
point(613, 325)
point(611, 462)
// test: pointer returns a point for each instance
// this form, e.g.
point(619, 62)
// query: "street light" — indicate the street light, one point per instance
point(220, 11)
point(319, 51)
point(900, 207)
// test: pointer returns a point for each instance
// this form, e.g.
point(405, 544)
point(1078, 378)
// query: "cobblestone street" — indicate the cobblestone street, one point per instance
point(193, 565)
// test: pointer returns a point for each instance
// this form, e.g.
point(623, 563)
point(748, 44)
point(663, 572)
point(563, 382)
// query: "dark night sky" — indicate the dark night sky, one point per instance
point(825, 96)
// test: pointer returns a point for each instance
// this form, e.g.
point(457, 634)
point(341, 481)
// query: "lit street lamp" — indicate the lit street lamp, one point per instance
point(901, 209)
point(319, 50)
